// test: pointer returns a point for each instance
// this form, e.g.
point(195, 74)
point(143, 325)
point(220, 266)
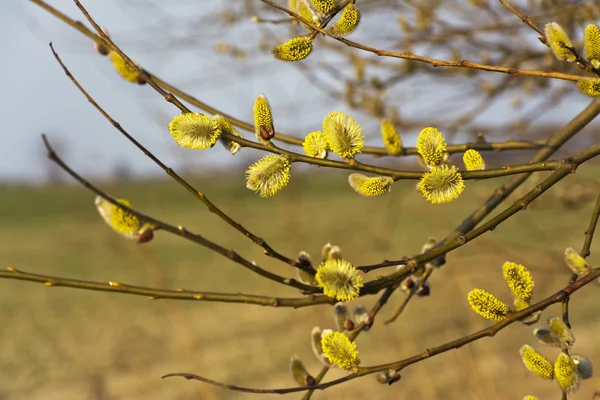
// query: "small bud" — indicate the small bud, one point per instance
point(10, 269)
point(561, 332)
point(145, 235)
point(114, 284)
point(226, 128)
point(543, 335)
point(335, 253)
point(299, 372)
point(577, 263)
point(408, 284)
point(263, 119)
point(388, 377)
point(304, 276)
point(315, 341)
point(424, 290)
point(100, 47)
point(349, 325)
point(437, 262)
point(325, 252)
point(341, 315)
point(585, 370)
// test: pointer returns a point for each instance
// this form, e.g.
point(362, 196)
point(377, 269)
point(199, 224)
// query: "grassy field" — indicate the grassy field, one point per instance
point(59, 343)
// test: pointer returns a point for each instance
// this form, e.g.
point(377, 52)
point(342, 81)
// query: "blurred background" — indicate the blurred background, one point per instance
point(70, 344)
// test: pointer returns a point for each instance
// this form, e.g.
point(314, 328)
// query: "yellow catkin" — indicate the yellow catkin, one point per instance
point(194, 131)
point(576, 263)
point(226, 128)
point(263, 119)
point(560, 332)
point(536, 363)
point(370, 187)
point(315, 145)
point(473, 160)
point(589, 86)
point(343, 134)
point(339, 279)
point(591, 45)
point(324, 6)
point(295, 49)
point(348, 22)
point(431, 146)
point(559, 42)
point(519, 280)
point(565, 372)
point(122, 68)
point(391, 138)
point(268, 175)
point(441, 184)
point(339, 350)
point(487, 305)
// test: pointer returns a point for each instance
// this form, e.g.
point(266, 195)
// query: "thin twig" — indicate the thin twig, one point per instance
point(569, 166)
point(377, 151)
point(158, 294)
point(269, 251)
point(407, 299)
point(589, 233)
point(432, 61)
point(429, 353)
point(180, 231)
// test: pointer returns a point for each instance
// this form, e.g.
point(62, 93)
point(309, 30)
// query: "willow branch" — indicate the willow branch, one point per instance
point(412, 292)
point(180, 231)
point(383, 299)
point(569, 165)
point(555, 141)
point(377, 151)
point(431, 61)
point(431, 352)
point(269, 251)
point(295, 157)
point(158, 294)
point(589, 233)
point(525, 19)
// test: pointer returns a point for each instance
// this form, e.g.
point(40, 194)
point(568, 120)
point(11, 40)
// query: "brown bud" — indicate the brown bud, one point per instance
point(100, 47)
point(267, 134)
point(145, 235)
point(424, 290)
point(349, 325)
point(408, 284)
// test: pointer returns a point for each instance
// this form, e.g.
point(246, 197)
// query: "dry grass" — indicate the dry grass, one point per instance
point(70, 344)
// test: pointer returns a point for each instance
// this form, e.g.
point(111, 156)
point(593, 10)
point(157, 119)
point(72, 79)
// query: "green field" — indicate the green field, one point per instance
point(60, 343)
